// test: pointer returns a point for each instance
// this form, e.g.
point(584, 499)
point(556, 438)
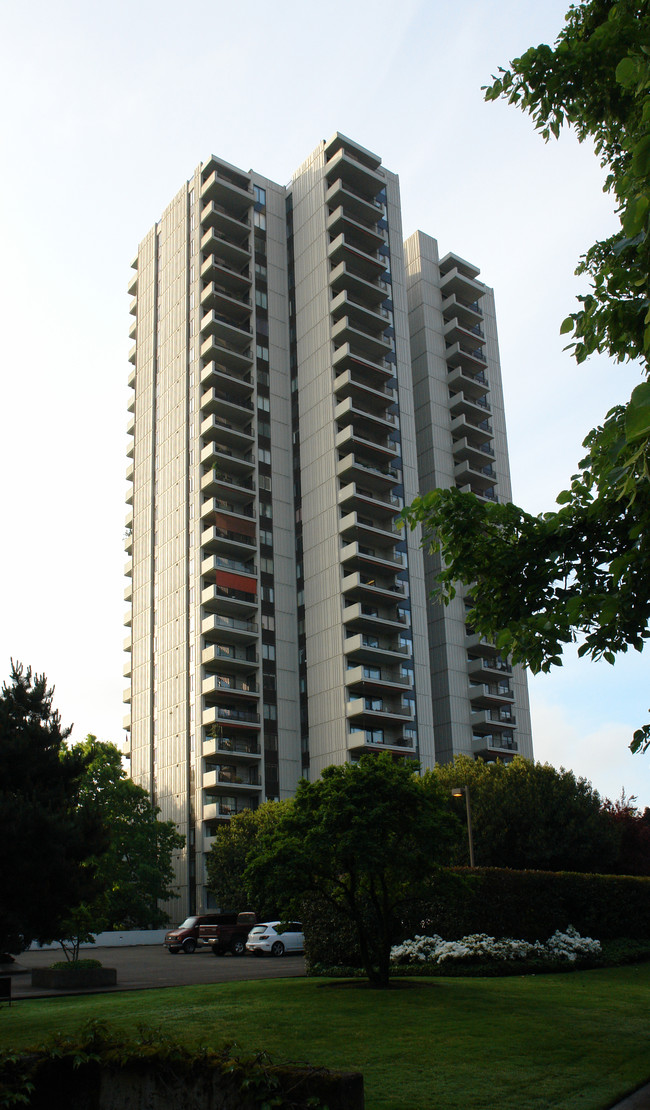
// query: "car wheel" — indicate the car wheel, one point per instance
point(238, 947)
point(173, 951)
point(189, 946)
point(277, 948)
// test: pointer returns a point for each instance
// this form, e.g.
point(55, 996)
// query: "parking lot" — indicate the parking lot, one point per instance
point(148, 966)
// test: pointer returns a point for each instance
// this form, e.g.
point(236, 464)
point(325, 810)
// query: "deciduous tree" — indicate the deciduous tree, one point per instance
point(366, 837)
point(531, 816)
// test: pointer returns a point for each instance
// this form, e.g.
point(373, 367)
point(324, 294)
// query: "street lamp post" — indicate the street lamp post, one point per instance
point(457, 792)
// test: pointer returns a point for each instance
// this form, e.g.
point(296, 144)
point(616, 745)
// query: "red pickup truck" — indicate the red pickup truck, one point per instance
point(228, 934)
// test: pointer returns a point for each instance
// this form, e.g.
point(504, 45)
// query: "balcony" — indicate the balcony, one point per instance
point(368, 264)
point(375, 649)
point(235, 335)
point(230, 601)
point(216, 349)
point(379, 478)
point(474, 384)
point(220, 686)
point(226, 540)
point(364, 617)
point(365, 390)
point(229, 463)
point(493, 720)
point(465, 288)
point(365, 558)
point(239, 491)
point(215, 715)
point(234, 383)
point(372, 319)
point(367, 421)
point(227, 435)
point(472, 447)
point(472, 408)
point(226, 186)
point(371, 291)
point(385, 506)
point(346, 167)
point(485, 668)
point(479, 479)
point(377, 679)
point(369, 345)
point(365, 445)
point(233, 221)
point(229, 657)
point(493, 746)
point(235, 279)
point(222, 300)
point(228, 629)
point(228, 407)
point(248, 750)
point(490, 695)
point(373, 711)
point(235, 252)
point(366, 234)
point(377, 371)
point(471, 358)
point(224, 810)
point(378, 740)
point(371, 588)
point(356, 526)
point(356, 203)
point(468, 313)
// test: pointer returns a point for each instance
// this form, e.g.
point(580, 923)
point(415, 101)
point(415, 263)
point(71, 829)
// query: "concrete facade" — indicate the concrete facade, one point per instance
point(299, 374)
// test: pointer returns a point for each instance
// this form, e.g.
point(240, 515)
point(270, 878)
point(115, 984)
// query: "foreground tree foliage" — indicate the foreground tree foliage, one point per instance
point(633, 832)
point(530, 816)
point(228, 858)
point(135, 871)
point(580, 572)
point(52, 845)
point(368, 839)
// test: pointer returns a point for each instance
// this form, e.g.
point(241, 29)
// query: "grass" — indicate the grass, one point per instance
point(529, 1043)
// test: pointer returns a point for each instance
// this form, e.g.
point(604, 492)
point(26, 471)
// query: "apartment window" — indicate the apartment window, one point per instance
point(260, 270)
point(260, 194)
point(261, 298)
point(268, 622)
point(266, 565)
point(270, 712)
point(264, 455)
point(268, 651)
point(264, 428)
point(268, 594)
point(266, 537)
point(266, 509)
point(262, 352)
point(264, 404)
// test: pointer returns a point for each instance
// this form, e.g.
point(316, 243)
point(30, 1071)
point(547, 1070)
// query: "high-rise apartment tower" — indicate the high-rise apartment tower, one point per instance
point(299, 374)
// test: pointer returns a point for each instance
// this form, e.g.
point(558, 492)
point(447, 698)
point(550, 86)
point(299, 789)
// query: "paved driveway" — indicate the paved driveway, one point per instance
point(147, 966)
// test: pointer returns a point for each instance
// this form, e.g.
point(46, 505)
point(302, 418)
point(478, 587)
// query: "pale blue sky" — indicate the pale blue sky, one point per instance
point(106, 111)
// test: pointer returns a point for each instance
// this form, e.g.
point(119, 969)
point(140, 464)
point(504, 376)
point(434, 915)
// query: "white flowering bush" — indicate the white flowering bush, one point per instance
point(561, 946)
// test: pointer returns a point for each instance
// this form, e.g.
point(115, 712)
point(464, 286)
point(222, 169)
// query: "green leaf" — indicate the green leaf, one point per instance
point(626, 72)
point(637, 414)
point(641, 157)
point(566, 325)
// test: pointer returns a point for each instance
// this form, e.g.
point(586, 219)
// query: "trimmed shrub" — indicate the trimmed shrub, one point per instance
point(530, 905)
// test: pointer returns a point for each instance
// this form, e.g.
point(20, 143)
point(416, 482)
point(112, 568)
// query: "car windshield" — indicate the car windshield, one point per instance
point(188, 923)
point(259, 929)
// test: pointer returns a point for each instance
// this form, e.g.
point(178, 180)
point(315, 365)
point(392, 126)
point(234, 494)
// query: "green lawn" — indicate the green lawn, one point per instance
point(569, 1041)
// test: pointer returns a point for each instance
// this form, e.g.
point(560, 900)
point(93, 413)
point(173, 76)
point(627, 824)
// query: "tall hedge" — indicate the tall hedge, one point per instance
point(528, 905)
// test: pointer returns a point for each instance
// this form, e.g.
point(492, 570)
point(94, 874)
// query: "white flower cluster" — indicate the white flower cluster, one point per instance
point(561, 946)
